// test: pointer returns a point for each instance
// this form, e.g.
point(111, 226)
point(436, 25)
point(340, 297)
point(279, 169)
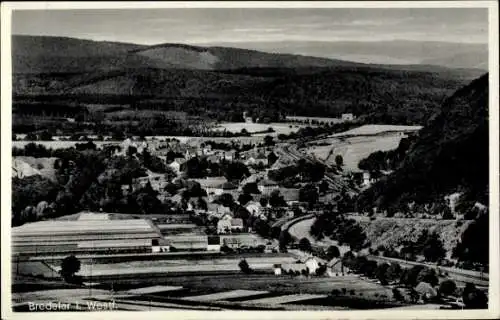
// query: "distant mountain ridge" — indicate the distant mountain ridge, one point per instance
point(55, 74)
point(46, 54)
point(399, 52)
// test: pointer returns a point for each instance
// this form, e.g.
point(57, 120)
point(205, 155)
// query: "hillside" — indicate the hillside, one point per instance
point(393, 233)
point(402, 53)
point(450, 155)
point(56, 76)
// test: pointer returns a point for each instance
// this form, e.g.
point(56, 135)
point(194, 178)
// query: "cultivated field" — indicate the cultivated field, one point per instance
point(373, 129)
point(301, 229)
point(180, 265)
point(236, 127)
point(354, 149)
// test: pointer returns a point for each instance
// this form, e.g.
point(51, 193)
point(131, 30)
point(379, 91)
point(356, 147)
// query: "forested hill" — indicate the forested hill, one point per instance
point(450, 155)
point(52, 73)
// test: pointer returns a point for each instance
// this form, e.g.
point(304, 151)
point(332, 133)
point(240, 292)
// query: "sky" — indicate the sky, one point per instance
point(244, 25)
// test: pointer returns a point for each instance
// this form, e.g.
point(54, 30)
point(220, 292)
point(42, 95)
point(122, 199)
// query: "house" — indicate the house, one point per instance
point(261, 159)
point(294, 268)
point(160, 245)
point(224, 224)
point(290, 195)
point(236, 225)
point(213, 158)
point(177, 198)
point(218, 210)
point(277, 269)
point(250, 161)
point(213, 243)
point(347, 117)
point(267, 186)
point(254, 208)
point(312, 265)
point(212, 185)
point(426, 291)
point(335, 268)
point(228, 187)
point(178, 165)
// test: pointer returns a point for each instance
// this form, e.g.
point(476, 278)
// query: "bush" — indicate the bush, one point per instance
point(397, 295)
point(244, 266)
point(69, 266)
point(447, 287)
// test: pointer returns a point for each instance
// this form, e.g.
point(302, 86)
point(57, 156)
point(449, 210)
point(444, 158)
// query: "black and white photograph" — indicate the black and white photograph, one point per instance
point(250, 158)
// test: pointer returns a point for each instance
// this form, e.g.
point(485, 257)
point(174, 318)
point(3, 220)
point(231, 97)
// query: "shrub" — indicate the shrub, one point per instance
point(244, 266)
point(69, 266)
point(447, 287)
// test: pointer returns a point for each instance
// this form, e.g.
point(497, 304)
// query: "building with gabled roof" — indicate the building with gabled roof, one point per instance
point(267, 186)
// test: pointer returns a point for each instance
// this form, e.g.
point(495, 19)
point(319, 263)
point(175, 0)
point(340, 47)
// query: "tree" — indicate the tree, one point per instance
point(428, 275)
point(226, 200)
point(263, 201)
point(332, 252)
point(409, 276)
point(251, 188)
point(268, 141)
point(309, 194)
point(321, 270)
point(244, 266)
point(244, 198)
point(284, 239)
point(474, 298)
point(394, 271)
point(202, 204)
point(433, 248)
point(305, 245)
point(69, 266)
point(447, 288)
point(45, 136)
point(276, 199)
point(236, 171)
point(339, 161)
point(474, 244)
point(271, 158)
point(381, 273)
point(323, 187)
point(397, 295)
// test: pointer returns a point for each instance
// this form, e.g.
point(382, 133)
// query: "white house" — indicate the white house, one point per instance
point(347, 117)
point(237, 224)
point(224, 224)
point(176, 165)
point(267, 186)
point(159, 245)
point(312, 264)
point(254, 208)
point(212, 184)
point(213, 243)
point(277, 269)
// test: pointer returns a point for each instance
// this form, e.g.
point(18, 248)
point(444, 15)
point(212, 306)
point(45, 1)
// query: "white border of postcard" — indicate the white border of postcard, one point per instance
point(494, 297)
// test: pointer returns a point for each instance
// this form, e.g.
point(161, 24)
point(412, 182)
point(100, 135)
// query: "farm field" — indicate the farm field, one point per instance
point(301, 230)
point(241, 284)
point(236, 127)
point(178, 265)
point(373, 129)
point(354, 149)
point(319, 119)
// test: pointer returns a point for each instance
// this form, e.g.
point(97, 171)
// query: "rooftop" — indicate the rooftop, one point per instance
point(268, 182)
